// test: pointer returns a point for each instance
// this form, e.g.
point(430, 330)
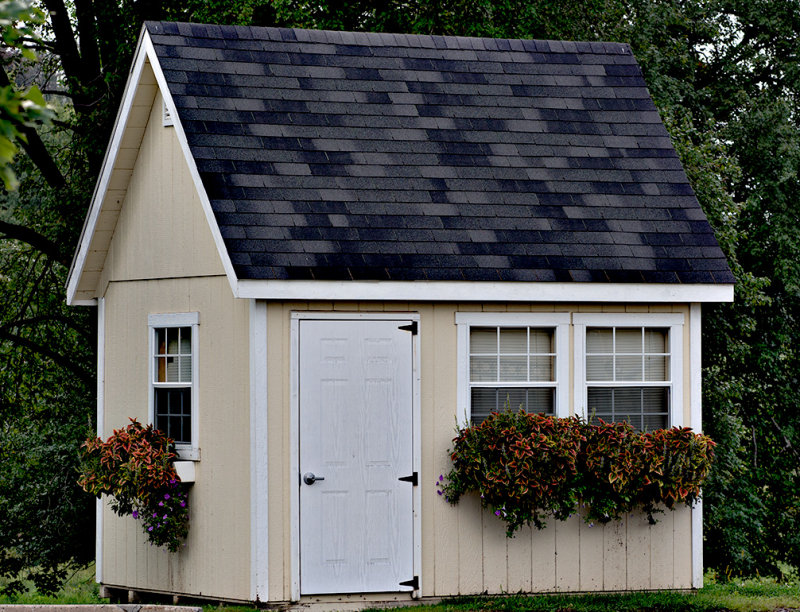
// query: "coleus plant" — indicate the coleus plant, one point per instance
point(528, 467)
point(135, 468)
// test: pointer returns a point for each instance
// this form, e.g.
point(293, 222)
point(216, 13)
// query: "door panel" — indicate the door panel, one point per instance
point(356, 525)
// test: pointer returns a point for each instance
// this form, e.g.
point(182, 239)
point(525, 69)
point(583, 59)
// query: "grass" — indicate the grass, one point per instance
point(744, 595)
point(79, 589)
point(751, 595)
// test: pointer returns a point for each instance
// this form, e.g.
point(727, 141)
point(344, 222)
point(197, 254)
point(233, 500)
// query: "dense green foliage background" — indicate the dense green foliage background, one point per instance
point(726, 77)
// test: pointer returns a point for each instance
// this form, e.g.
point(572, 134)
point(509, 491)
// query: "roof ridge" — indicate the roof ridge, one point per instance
point(373, 39)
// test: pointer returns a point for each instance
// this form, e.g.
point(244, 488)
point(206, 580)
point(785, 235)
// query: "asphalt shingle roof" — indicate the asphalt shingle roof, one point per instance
point(338, 155)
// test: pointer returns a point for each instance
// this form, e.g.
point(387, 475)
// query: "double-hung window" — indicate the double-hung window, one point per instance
point(629, 368)
point(173, 375)
point(512, 360)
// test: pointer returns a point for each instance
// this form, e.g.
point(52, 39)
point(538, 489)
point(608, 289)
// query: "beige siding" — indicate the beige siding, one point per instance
point(464, 550)
point(162, 235)
point(215, 561)
point(161, 231)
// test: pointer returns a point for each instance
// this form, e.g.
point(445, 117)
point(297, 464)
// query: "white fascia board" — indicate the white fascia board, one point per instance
point(468, 291)
point(222, 251)
point(144, 52)
point(107, 169)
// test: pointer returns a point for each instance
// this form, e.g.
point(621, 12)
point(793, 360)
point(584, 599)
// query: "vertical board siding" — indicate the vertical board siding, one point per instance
point(162, 259)
point(215, 560)
point(161, 231)
point(464, 549)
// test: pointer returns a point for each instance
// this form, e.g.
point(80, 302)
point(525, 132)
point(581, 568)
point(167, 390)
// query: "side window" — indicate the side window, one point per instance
point(515, 360)
point(630, 369)
point(173, 370)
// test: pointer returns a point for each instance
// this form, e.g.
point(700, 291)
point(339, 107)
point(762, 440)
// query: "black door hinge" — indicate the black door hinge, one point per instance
point(412, 327)
point(413, 479)
point(413, 583)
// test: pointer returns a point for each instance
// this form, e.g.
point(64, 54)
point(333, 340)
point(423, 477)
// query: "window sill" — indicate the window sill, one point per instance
point(185, 470)
point(187, 453)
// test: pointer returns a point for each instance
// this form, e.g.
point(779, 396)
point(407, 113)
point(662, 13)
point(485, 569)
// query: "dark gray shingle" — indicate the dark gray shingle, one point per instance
point(353, 156)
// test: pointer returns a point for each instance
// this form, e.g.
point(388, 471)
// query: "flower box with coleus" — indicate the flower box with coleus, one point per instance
point(135, 468)
point(529, 467)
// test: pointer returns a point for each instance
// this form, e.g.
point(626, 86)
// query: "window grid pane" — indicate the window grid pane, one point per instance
point(173, 354)
point(172, 382)
point(485, 400)
point(634, 361)
point(173, 414)
point(511, 367)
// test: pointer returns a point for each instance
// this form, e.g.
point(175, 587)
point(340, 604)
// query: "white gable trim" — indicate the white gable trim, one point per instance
point(144, 53)
point(469, 291)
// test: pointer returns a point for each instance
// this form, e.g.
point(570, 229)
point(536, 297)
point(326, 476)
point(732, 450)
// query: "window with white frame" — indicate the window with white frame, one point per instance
point(512, 360)
point(173, 373)
point(629, 369)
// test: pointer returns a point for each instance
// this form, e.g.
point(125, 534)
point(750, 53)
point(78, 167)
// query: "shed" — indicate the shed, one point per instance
point(314, 253)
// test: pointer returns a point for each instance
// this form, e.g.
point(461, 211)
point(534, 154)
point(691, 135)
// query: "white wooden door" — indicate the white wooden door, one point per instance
point(355, 410)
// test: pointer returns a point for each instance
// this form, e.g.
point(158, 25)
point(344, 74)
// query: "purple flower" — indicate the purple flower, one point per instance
point(441, 478)
point(183, 504)
point(149, 529)
point(135, 514)
point(160, 503)
point(439, 492)
point(155, 515)
point(172, 482)
point(497, 513)
point(165, 516)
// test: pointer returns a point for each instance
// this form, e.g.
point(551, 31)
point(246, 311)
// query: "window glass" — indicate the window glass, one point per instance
point(172, 382)
point(635, 361)
point(511, 366)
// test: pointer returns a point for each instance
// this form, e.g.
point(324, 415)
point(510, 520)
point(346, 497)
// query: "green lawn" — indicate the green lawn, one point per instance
point(752, 595)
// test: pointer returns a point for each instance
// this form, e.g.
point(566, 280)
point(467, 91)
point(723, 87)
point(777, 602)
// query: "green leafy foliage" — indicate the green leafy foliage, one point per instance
point(135, 468)
point(18, 109)
point(528, 467)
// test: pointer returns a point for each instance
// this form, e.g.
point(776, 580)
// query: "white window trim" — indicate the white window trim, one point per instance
point(557, 320)
point(187, 452)
point(673, 321)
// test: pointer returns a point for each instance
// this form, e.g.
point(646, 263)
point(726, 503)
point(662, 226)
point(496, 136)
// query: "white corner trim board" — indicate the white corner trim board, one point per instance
point(696, 423)
point(482, 291)
point(259, 475)
point(101, 384)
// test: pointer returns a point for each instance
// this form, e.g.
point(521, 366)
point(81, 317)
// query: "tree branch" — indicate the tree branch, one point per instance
point(60, 360)
point(90, 54)
point(55, 317)
point(35, 239)
point(65, 43)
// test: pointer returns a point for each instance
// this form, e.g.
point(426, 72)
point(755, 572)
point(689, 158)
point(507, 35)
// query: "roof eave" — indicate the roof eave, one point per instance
point(473, 291)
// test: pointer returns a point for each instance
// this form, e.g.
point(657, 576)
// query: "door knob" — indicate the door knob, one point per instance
point(310, 479)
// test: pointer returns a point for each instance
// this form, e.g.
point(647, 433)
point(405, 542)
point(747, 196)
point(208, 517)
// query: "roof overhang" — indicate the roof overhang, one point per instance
point(115, 173)
point(468, 291)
